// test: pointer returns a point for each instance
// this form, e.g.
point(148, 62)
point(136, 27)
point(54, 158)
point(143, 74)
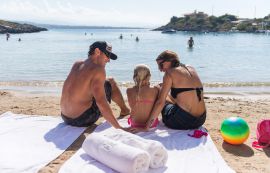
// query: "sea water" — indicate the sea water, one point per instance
point(224, 61)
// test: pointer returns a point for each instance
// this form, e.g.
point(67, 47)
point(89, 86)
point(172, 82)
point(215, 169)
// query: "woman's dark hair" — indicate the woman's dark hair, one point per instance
point(170, 56)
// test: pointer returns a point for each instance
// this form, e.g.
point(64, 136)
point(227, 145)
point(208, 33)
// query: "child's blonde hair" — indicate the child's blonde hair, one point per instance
point(141, 74)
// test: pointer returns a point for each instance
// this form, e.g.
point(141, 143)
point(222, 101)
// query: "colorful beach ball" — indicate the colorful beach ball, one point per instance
point(234, 130)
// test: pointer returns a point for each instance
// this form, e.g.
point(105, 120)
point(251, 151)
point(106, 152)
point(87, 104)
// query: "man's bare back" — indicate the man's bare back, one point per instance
point(76, 94)
point(86, 92)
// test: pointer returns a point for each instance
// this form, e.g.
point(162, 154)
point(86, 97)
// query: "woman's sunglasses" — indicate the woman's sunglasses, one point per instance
point(160, 65)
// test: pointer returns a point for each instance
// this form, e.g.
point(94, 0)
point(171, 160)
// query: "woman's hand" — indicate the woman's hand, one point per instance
point(127, 129)
point(137, 129)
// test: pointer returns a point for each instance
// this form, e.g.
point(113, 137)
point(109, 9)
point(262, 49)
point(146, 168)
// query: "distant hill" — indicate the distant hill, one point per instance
point(201, 22)
point(13, 27)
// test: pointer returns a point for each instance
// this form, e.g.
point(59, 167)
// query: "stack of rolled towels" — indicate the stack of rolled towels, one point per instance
point(125, 152)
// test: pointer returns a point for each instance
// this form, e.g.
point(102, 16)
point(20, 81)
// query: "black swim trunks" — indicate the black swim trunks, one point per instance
point(91, 115)
point(175, 117)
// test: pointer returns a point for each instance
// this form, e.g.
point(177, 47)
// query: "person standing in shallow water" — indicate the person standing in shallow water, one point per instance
point(86, 91)
point(190, 42)
point(184, 107)
point(121, 36)
point(7, 36)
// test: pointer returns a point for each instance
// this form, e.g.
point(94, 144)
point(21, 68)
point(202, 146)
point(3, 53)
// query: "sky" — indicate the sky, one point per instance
point(125, 13)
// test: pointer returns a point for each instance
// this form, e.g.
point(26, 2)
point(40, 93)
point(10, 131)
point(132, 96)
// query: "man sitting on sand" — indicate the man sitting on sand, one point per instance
point(86, 92)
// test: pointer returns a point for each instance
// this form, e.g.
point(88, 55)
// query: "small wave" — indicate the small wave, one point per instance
point(32, 83)
point(237, 84)
point(213, 84)
point(130, 83)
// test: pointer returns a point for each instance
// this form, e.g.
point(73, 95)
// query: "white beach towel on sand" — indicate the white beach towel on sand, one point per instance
point(185, 154)
point(27, 143)
point(116, 155)
point(155, 149)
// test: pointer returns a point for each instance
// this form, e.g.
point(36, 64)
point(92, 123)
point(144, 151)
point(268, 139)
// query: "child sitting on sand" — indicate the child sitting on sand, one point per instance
point(141, 97)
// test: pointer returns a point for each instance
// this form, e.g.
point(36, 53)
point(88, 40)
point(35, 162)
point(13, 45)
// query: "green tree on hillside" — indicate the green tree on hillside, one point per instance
point(199, 21)
point(174, 19)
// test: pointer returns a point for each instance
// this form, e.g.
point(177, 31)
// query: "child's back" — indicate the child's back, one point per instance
point(141, 97)
point(141, 105)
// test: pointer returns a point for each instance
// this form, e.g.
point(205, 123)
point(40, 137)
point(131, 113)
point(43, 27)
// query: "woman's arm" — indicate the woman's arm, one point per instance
point(166, 86)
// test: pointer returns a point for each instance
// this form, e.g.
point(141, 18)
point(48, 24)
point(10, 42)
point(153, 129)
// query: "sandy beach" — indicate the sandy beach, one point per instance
point(242, 158)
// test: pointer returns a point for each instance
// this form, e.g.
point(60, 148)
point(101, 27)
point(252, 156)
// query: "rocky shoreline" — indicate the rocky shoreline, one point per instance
point(16, 28)
point(202, 22)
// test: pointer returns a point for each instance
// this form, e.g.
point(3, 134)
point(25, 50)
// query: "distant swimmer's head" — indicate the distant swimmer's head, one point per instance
point(141, 74)
point(167, 56)
point(104, 47)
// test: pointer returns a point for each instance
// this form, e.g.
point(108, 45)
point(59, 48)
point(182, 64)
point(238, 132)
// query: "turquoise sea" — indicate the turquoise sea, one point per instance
point(226, 62)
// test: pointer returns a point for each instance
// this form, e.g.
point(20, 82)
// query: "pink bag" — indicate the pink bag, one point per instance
point(263, 134)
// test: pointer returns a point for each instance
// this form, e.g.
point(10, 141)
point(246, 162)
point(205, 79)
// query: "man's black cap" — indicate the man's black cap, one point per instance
point(105, 47)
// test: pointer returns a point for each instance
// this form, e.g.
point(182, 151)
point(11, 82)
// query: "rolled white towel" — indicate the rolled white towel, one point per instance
point(116, 155)
point(156, 150)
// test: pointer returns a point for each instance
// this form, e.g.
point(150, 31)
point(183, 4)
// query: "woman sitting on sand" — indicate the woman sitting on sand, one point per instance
point(141, 97)
point(184, 108)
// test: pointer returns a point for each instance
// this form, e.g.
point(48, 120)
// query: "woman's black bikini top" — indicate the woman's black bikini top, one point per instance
point(175, 91)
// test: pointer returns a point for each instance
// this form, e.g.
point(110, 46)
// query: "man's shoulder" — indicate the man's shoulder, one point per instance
point(97, 72)
point(97, 69)
point(92, 67)
point(77, 63)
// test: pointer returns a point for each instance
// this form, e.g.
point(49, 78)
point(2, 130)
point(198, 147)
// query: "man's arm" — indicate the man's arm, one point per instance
point(97, 87)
